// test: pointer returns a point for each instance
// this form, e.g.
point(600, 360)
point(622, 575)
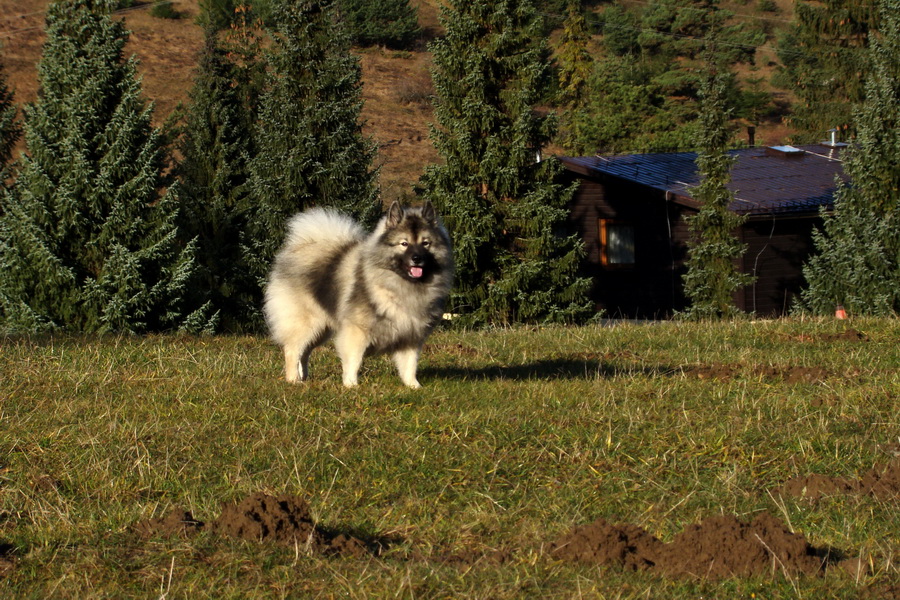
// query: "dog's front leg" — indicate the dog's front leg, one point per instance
point(350, 344)
point(407, 361)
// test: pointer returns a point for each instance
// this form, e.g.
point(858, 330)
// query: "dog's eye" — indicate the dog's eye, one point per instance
point(404, 244)
point(426, 243)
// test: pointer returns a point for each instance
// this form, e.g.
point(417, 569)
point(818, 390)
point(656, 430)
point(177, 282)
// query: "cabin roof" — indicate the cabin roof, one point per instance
point(764, 180)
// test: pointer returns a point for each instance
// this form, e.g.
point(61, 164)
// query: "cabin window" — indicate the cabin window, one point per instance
point(616, 243)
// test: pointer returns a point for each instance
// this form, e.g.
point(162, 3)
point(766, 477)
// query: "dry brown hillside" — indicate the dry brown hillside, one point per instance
point(394, 88)
point(395, 84)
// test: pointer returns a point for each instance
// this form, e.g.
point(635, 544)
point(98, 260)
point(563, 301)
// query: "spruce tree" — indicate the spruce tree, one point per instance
point(673, 34)
point(10, 128)
point(86, 243)
point(712, 275)
point(643, 94)
point(823, 56)
point(310, 146)
point(217, 14)
point(857, 260)
point(506, 212)
point(216, 147)
point(574, 61)
point(391, 23)
point(620, 31)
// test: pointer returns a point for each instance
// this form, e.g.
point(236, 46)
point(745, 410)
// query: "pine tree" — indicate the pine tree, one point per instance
point(216, 147)
point(823, 58)
point(10, 128)
point(391, 23)
point(574, 60)
point(623, 110)
point(712, 275)
point(620, 31)
point(643, 94)
point(673, 34)
point(310, 147)
point(857, 260)
point(217, 14)
point(505, 211)
point(85, 241)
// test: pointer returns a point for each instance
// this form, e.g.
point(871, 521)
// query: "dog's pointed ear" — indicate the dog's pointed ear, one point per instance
point(428, 212)
point(395, 214)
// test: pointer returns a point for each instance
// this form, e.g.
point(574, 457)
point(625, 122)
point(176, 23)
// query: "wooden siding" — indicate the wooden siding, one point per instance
point(651, 287)
point(776, 251)
point(777, 246)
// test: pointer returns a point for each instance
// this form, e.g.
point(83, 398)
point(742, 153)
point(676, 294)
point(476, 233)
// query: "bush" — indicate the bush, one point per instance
point(164, 10)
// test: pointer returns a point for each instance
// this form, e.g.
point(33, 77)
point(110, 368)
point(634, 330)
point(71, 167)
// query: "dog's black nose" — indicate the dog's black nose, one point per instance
point(416, 259)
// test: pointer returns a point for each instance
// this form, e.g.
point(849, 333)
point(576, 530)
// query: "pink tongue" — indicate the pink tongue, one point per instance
point(415, 272)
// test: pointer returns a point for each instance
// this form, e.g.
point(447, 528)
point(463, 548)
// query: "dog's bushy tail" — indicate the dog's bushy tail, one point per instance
point(323, 225)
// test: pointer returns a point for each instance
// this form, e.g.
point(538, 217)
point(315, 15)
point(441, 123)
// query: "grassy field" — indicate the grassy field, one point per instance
point(516, 437)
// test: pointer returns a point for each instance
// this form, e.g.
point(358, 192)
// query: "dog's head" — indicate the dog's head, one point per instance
point(420, 246)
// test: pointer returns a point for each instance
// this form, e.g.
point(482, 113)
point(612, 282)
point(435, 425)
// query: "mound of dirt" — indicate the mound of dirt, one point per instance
point(282, 520)
point(7, 562)
point(178, 522)
point(722, 372)
point(262, 518)
point(804, 374)
point(815, 486)
point(849, 335)
point(880, 482)
point(714, 371)
point(718, 547)
point(603, 543)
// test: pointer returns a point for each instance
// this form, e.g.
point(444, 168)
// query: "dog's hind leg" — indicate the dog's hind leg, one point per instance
point(292, 369)
point(296, 356)
point(407, 361)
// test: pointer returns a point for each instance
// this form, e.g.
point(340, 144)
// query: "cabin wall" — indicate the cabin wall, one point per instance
point(777, 248)
point(652, 288)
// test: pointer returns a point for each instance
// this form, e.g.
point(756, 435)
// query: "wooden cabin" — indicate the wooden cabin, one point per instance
point(631, 212)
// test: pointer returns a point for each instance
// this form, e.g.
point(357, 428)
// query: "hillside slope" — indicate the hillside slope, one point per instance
point(396, 85)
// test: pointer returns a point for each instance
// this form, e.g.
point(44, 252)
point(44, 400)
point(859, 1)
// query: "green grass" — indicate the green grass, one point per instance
point(517, 436)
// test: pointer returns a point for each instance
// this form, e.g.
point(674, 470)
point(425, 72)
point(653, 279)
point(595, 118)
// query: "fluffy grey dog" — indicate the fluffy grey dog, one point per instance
point(376, 293)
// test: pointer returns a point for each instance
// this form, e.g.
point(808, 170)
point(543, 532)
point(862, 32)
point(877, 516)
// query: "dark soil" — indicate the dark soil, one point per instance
point(7, 562)
point(178, 522)
point(850, 335)
point(721, 372)
point(880, 482)
point(283, 520)
point(719, 547)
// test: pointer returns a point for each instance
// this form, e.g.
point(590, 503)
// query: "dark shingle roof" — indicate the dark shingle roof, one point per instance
point(781, 179)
